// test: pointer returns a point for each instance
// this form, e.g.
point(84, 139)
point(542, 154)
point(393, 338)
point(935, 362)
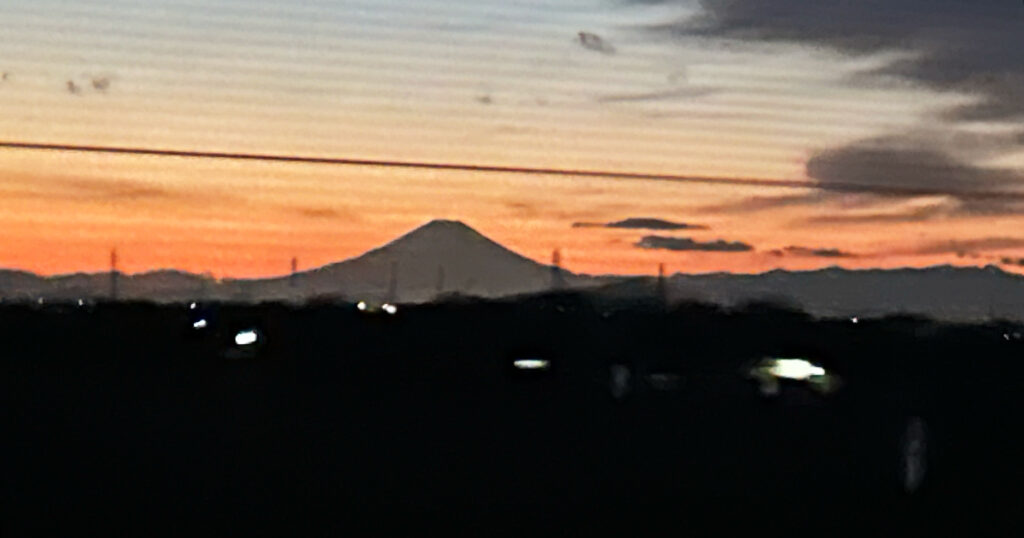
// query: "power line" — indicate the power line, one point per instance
point(522, 170)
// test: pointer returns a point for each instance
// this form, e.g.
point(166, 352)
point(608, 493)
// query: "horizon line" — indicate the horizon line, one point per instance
point(203, 275)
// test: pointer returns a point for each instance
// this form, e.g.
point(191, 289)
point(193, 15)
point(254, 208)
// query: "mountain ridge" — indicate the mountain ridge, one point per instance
point(444, 257)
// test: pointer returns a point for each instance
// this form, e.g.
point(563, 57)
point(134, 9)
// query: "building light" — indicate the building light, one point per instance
point(798, 369)
point(532, 364)
point(246, 337)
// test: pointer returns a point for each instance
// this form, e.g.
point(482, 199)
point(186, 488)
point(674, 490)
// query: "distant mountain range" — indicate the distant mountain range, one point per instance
point(444, 257)
point(438, 258)
point(941, 292)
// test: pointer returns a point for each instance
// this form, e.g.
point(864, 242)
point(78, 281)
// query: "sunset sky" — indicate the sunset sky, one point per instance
point(913, 94)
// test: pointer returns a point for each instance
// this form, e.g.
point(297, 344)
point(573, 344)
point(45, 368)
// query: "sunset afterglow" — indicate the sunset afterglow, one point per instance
point(494, 83)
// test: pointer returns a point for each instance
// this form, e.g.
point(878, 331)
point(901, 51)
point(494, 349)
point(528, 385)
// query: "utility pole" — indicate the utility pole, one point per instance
point(662, 289)
point(113, 274)
point(557, 282)
point(295, 269)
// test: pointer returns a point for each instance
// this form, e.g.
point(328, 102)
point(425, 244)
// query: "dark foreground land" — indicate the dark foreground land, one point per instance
point(123, 420)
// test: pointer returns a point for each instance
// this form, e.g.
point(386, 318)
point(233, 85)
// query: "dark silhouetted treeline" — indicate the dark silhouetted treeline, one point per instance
point(123, 419)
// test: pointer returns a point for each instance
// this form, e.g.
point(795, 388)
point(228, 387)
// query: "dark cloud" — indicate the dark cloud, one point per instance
point(654, 224)
point(641, 223)
point(966, 145)
point(905, 168)
point(885, 169)
point(685, 243)
point(967, 46)
point(595, 42)
point(812, 252)
point(1019, 262)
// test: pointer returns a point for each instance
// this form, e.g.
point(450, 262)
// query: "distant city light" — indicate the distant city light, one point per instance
point(854, 319)
point(795, 369)
point(40, 301)
point(81, 302)
point(246, 337)
point(192, 306)
point(531, 364)
point(201, 324)
point(361, 306)
point(390, 308)
point(768, 372)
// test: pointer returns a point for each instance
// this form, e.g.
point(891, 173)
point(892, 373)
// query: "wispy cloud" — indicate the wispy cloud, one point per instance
point(685, 243)
point(919, 214)
point(983, 244)
point(762, 203)
point(658, 95)
point(112, 190)
point(319, 212)
point(812, 252)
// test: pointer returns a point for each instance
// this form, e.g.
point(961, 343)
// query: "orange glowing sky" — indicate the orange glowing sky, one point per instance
point(481, 82)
